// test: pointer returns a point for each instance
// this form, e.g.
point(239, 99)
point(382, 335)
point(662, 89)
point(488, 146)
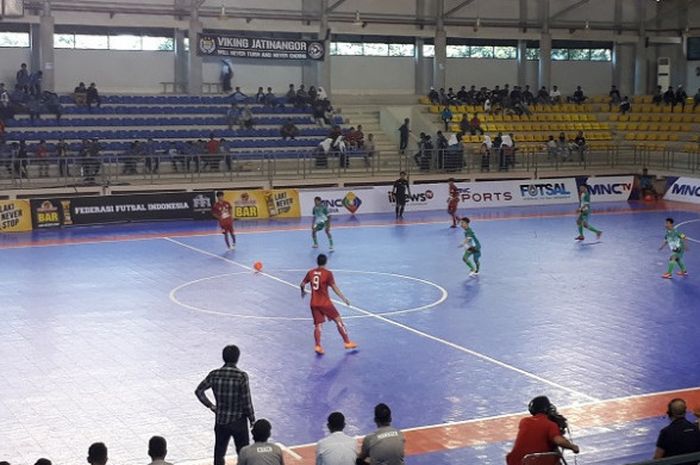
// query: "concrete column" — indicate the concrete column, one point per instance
point(194, 69)
point(181, 60)
point(616, 65)
point(545, 64)
point(45, 47)
point(440, 60)
point(640, 62)
point(324, 67)
point(522, 63)
point(421, 84)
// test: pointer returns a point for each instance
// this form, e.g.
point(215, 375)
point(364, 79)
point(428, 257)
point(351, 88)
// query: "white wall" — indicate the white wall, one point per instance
point(372, 75)
point(480, 72)
point(10, 59)
point(594, 77)
point(250, 75)
point(113, 71)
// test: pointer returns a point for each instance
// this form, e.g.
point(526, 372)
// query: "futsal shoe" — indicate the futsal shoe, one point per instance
point(579, 238)
point(315, 246)
point(682, 273)
point(331, 249)
point(667, 276)
point(233, 247)
point(319, 350)
point(474, 273)
point(350, 345)
point(598, 234)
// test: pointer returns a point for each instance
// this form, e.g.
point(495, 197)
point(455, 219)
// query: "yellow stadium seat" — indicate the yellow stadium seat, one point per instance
point(633, 126)
point(641, 136)
point(673, 137)
point(663, 136)
point(685, 127)
point(653, 127)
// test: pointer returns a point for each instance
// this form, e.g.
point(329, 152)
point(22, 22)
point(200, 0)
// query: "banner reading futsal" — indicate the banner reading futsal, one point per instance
point(263, 204)
point(15, 216)
point(259, 47)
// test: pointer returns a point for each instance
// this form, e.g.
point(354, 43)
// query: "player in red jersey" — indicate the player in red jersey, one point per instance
point(223, 211)
point(321, 306)
point(452, 202)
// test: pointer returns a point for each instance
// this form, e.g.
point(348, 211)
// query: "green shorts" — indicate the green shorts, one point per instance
point(583, 217)
point(677, 254)
point(320, 226)
point(472, 252)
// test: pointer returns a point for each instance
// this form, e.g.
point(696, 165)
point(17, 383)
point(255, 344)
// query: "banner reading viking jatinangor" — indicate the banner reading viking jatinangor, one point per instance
point(259, 47)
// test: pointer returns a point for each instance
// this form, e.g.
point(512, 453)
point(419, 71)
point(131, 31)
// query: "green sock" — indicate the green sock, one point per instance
point(580, 230)
point(670, 267)
point(330, 240)
point(315, 240)
point(681, 265)
point(466, 260)
point(591, 228)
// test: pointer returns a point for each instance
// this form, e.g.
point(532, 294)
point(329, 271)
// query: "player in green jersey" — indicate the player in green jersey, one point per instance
point(584, 212)
point(321, 221)
point(472, 247)
point(678, 244)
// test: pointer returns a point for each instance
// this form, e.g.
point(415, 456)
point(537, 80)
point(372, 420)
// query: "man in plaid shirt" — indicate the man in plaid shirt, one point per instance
point(234, 406)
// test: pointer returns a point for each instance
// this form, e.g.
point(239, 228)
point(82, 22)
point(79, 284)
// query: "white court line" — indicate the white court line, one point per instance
point(682, 223)
point(286, 449)
point(403, 326)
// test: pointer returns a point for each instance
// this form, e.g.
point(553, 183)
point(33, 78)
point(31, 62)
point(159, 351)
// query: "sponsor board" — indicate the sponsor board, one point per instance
point(47, 213)
point(15, 216)
point(684, 190)
point(423, 197)
point(346, 201)
point(263, 204)
point(545, 191)
point(226, 45)
point(610, 188)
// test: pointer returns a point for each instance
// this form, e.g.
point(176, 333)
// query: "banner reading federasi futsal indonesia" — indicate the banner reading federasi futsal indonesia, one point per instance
point(221, 45)
point(15, 216)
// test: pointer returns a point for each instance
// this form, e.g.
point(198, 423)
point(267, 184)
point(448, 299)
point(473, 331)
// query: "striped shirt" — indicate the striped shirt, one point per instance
point(232, 394)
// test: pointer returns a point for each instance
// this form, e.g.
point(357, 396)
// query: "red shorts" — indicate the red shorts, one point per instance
point(321, 313)
point(226, 225)
point(452, 206)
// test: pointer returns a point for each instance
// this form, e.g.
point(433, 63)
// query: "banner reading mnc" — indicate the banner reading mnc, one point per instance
point(259, 47)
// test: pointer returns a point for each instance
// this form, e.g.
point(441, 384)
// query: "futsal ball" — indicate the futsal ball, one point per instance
point(648, 198)
point(258, 266)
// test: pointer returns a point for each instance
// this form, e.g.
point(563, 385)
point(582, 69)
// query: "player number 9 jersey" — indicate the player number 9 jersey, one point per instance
point(320, 279)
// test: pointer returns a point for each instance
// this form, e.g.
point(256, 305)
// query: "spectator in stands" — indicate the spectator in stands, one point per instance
point(52, 102)
point(318, 110)
point(562, 147)
point(680, 97)
point(225, 151)
point(578, 97)
point(538, 434)
point(554, 96)
point(35, 81)
point(247, 118)
point(625, 105)
point(433, 96)
point(93, 162)
point(312, 94)
point(485, 149)
point(370, 149)
point(696, 99)
point(234, 406)
point(462, 95)
point(92, 95)
point(488, 106)
point(359, 137)
point(270, 99)
point(681, 436)
point(464, 126)
point(426, 153)
point(291, 95)
point(157, 450)
point(152, 160)
point(233, 116)
point(4, 101)
point(646, 185)
point(321, 94)
point(475, 125)
point(2, 130)
point(615, 98)
point(213, 147)
point(506, 152)
point(337, 448)
point(543, 96)
point(442, 96)
point(130, 158)
point(579, 146)
point(552, 148)
point(238, 96)
point(658, 96)
point(19, 153)
point(528, 98)
point(302, 97)
point(19, 98)
point(97, 454)
point(80, 94)
point(441, 144)
point(669, 96)
point(22, 78)
point(404, 131)
point(62, 153)
point(42, 461)
point(386, 444)
point(261, 452)
point(34, 107)
point(226, 76)
point(41, 152)
point(289, 130)
point(260, 96)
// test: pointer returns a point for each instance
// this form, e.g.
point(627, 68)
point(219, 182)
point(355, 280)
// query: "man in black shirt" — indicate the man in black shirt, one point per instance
point(401, 191)
point(681, 436)
point(403, 136)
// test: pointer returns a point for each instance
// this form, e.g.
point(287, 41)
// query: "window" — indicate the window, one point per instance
point(457, 51)
point(348, 48)
point(601, 54)
point(560, 54)
point(125, 42)
point(91, 42)
point(14, 39)
point(579, 54)
point(532, 53)
point(428, 51)
point(165, 44)
point(402, 50)
point(482, 52)
point(505, 53)
point(63, 41)
point(375, 50)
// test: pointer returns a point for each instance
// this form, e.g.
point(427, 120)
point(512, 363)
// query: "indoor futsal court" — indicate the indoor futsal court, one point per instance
point(106, 332)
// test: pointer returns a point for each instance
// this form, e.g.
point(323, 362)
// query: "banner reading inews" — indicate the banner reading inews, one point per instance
point(259, 47)
point(684, 190)
point(15, 216)
point(610, 188)
point(262, 204)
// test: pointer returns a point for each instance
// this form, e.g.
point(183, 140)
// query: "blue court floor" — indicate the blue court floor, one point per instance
point(106, 331)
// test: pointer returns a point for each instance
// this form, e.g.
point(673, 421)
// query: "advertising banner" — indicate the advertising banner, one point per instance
point(47, 213)
point(610, 188)
point(684, 190)
point(15, 216)
point(264, 204)
point(345, 201)
point(423, 197)
point(259, 47)
point(545, 191)
point(144, 207)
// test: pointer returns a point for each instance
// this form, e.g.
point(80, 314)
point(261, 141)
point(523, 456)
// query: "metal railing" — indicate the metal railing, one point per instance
point(20, 173)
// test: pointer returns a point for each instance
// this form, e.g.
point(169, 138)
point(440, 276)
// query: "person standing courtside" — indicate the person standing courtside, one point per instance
point(234, 405)
point(401, 191)
point(404, 130)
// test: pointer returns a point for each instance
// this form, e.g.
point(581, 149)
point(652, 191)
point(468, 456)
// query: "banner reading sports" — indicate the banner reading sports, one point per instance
point(259, 47)
point(684, 190)
point(610, 188)
point(263, 204)
point(15, 216)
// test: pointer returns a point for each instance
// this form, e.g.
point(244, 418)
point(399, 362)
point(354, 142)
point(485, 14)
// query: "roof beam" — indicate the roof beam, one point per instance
point(454, 10)
point(568, 9)
point(335, 5)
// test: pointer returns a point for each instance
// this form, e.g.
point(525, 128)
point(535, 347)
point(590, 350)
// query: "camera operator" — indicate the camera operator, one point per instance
point(542, 432)
point(681, 436)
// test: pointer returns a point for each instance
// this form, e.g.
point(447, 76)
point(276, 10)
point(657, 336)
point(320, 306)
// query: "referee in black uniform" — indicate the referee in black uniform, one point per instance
point(401, 191)
point(234, 406)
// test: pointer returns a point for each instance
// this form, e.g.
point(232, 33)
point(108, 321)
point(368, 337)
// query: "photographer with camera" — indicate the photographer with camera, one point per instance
point(542, 432)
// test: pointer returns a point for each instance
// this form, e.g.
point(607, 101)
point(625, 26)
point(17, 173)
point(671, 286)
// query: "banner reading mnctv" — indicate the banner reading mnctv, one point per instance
point(610, 188)
point(15, 216)
point(684, 190)
point(264, 204)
